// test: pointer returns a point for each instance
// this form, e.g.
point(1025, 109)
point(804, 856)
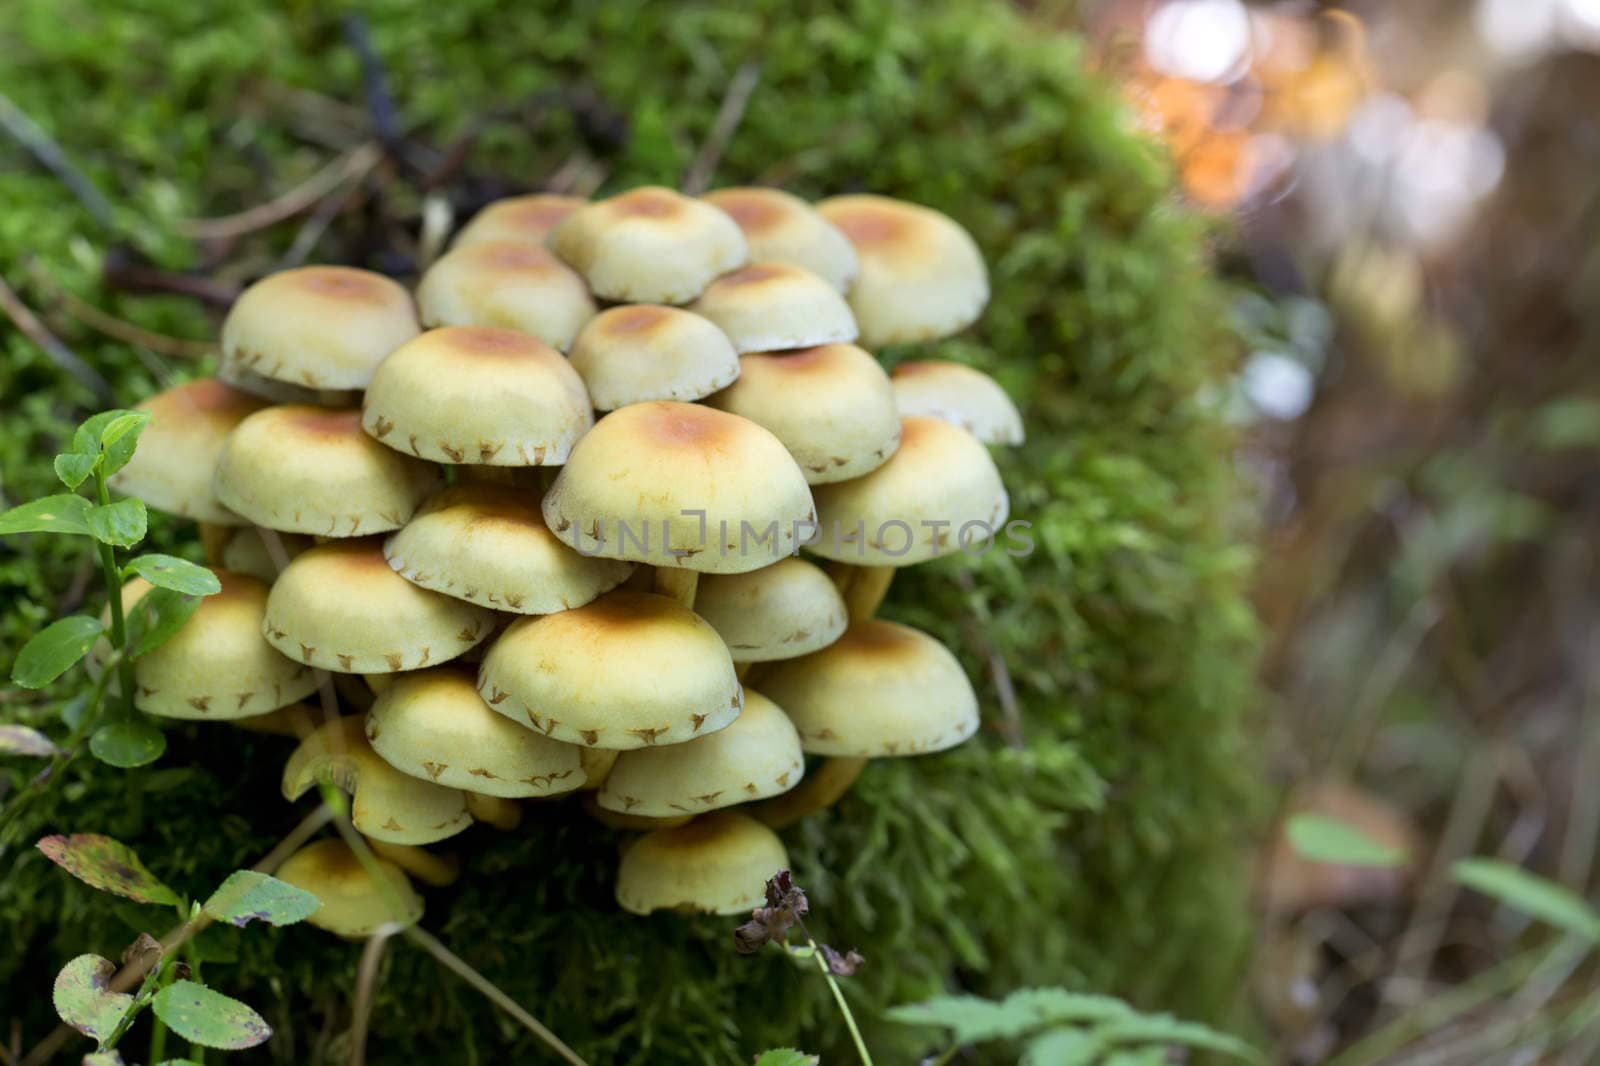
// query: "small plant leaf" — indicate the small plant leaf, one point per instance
point(786, 1056)
point(128, 743)
point(1320, 838)
point(248, 896)
point(54, 650)
point(211, 1019)
point(74, 468)
point(122, 524)
point(1057, 1005)
point(65, 513)
point(969, 1018)
point(84, 1000)
point(1530, 894)
point(179, 575)
point(1061, 1047)
point(21, 740)
point(107, 864)
point(1166, 1031)
point(156, 617)
point(121, 437)
point(104, 1058)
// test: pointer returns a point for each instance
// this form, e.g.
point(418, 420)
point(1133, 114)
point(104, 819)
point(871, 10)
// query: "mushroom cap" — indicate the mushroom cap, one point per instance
point(512, 285)
point(432, 724)
point(781, 227)
point(324, 327)
point(525, 219)
point(473, 394)
point(385, 804)
point(939, 492)
point(881, 689)
point(630, 669)
point(177, 454)
point(755, 756)
point(782, 611)
point(958, 394)
point(717, 864)
point(641, 352)
point(649, 245)
point(831, 406)
point(768, 306)
point(678, 484)
point(313, 470)
point(217, 666)
point(488, 544)
point(282, 391)
point(246, 552)
point(354, 903)
point(340, 607)
point(921, 277)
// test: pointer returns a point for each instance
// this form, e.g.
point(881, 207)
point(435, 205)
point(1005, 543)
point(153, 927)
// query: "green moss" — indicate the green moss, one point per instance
point(1102, 856)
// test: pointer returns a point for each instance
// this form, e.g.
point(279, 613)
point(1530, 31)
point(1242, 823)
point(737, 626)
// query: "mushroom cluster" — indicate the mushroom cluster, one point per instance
point(542, 528)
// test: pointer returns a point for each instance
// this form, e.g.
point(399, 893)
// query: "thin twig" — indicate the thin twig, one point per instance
point(356, 161)
point(375, 84)
point(65, 358)
point(698, 177)
point(366, 989)
point(329, 209)
point(112, 326)
point(999, 672)
point(134, 276)
point(27, 133)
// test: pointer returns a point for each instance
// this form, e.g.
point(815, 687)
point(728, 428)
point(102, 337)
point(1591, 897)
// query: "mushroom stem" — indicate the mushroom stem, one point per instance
point(679, 584)
point(213, 539)
point(863, 588)
point(425, 866)
point(742, 670)
point(817, 791)
point(596, 764)
point(495, 810)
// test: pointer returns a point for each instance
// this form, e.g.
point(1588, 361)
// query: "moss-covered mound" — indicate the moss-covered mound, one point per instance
point(1100, 853)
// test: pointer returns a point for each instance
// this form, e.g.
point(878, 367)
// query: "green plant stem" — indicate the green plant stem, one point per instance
point(147, 992)
point(838, 997)
point(113, 579)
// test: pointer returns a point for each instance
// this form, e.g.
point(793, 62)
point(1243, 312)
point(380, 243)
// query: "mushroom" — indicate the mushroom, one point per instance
point(471, 394)
point(717, 864)
point(513, 285)
point(781, 611)
point(322, 327)
point(921, 277)
point(266, 388)
point(630, 669)
point(525, 219)
point(354, 903)
point(171, 469)
point(783, 228)
point(217, 666)
point(385, 804)
point(649, 245)
point(766, 306)
point(755, 756)
point(960, 395)
point(436, 870)
point(488, 544)
point(641, 352)
point(831, 406)
point(498, 811)
point(634, 823)
point(340, 607)
point(245, 550)
point(597, 764)
point(433, 725)
point(312, 470)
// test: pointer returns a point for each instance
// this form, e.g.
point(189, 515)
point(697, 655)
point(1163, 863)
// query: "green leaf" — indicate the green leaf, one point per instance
point(155, 618)
point(121, 437)
point(128, 744)
point(74, 469)
point(1144, 1056)
point(65, 513)
point(1166, 1031)
point(84, 1000)
point(1320, 838)
point(1055, 1005)
point(248, 896)
point(786, 1056)
point(1061, 1047)
point(104, 1058)
point(121, 524)
point(211, 1019)
point(22, 740)
point(969, 1018)
point(1531, 894)
point(107, 864)
point(179, 575)
point(54, 650)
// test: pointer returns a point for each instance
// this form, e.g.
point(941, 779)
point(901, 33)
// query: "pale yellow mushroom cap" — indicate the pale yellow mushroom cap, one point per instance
point(630, 669)
point(783, 228)
point(922, 276)
point(354, 903)
point(939, 493)
point(514, 286)
point(642, 352)
point(471, 394)
point(526, 219)
point(719, 863)
point(177, 454)
point(958, 394)
point(782, 611)
point(323, 327)
point(756, 756)
point(340, 607)
point(385, 804)
point(217, 666)
point(677, 484)
point(282, 391)
point(432, 724)
point(488, 544)
point(830, 406)
point(881, 689)
point(313, 470)
point(768, 306)
point(649, 245)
